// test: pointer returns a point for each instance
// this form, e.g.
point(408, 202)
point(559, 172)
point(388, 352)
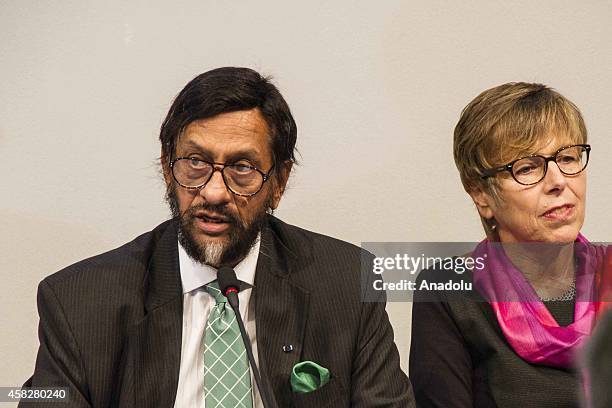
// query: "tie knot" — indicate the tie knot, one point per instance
point(213, 289)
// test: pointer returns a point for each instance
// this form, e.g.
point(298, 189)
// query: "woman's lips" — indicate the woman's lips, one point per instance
point(560, 213)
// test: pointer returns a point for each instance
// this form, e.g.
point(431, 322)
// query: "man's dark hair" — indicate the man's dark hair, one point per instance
point(231, 89)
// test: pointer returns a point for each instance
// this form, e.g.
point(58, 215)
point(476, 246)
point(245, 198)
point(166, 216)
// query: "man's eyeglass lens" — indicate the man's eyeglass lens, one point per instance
point(240, 178)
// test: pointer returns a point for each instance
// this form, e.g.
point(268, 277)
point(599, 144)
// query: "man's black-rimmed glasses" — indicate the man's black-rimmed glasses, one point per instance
point(242, 179)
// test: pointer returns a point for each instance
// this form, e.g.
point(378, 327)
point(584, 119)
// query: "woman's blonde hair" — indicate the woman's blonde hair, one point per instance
point(507, 122)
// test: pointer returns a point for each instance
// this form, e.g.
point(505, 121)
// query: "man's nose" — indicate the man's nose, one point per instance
point(215, 191)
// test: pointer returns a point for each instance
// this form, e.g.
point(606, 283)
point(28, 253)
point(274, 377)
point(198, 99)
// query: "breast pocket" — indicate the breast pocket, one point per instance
point(332, 394)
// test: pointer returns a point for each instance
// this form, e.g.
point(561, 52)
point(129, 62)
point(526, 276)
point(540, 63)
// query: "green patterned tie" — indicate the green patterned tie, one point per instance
point(227, 379)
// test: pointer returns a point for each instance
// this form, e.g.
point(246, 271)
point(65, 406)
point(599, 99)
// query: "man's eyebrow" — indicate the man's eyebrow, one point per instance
point(245, 153)
point(191, 143)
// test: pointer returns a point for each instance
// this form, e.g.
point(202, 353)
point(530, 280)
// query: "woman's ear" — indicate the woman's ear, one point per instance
point(484, 203)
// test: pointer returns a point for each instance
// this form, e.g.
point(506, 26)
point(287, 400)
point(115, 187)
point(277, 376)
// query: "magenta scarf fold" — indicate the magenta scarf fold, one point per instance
point(525, 321)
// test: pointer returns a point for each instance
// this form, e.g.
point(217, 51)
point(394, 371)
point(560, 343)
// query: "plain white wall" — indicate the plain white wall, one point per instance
point(375, 87)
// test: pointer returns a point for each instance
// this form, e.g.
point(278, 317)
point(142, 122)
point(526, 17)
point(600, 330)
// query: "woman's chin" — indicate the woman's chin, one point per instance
point(562, 235)
point(565, 235)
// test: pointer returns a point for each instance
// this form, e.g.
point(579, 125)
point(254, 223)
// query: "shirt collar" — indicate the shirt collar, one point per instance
point(195, 275)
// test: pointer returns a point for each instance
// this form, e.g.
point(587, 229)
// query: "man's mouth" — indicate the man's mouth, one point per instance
point(212, 224)
point(559, 213)
point(211, 219)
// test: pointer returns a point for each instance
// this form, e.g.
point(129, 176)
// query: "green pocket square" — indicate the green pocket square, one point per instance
point(308, 376)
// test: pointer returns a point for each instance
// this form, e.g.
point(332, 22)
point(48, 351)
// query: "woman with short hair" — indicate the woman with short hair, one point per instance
point(521, 150)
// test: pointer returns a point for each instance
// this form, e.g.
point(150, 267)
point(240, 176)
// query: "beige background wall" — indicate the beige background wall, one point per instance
point(376, 89)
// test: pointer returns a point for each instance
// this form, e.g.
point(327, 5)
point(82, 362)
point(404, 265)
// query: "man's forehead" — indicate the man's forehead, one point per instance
point(239, 131)
point(246, 121)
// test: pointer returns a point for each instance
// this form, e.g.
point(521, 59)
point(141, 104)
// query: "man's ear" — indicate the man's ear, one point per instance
point(279, 182)
point(484, 203)
point(166, 168)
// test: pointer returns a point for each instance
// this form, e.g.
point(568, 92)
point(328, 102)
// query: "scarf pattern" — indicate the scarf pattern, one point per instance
point(526, 323)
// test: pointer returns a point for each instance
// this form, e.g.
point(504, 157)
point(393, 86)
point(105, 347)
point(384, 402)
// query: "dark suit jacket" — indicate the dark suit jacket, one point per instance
point(110, 326)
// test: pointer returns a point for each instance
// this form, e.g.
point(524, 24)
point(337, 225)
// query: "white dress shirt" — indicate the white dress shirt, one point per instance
point(197, 304)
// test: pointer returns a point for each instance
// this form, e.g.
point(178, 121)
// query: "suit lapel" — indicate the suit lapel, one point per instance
point(281, 310)
point(155, 342)
point(153, 350)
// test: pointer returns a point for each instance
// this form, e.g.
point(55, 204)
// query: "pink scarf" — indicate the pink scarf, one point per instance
point(525, 321)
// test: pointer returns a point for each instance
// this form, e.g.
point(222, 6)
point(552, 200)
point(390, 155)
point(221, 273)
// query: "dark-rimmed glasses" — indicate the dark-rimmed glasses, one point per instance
point(240, 178)
point(529, 170)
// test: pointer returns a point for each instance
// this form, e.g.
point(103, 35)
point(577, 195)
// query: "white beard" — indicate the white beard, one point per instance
point(213, 253)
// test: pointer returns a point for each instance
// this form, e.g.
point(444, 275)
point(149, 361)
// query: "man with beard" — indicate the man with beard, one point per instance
point(145, 325)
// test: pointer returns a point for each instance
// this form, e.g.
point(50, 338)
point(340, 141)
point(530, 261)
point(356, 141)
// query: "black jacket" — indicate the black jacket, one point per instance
point(110, 326)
